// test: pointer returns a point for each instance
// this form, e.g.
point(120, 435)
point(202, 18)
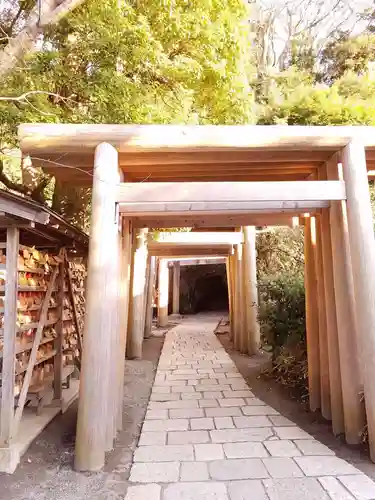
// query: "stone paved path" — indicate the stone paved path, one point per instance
point(206, 437)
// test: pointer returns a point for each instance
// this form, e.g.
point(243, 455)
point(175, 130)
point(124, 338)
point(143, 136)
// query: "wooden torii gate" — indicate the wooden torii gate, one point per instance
point(224, 176)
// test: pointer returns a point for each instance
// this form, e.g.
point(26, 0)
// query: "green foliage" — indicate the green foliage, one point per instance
point(349, 53)
point(344, 103)
point(282, 310)
point(279, 252)
point(282, 320)
point(145, 62)
point(170, 61)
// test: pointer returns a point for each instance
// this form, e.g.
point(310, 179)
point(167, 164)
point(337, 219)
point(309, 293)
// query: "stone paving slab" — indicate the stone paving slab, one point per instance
point(207, 437)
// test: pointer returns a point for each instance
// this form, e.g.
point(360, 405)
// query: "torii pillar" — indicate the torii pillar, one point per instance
point(176, 288)
point(137, 315)
point(163, 295)
point(95, 411)
point(362, 249)
point(252, 330)
point(151, 274)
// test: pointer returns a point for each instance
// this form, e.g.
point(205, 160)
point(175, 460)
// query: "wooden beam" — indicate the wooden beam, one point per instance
point(312, 326)
point(246, 166)
point(230, 157)
point(23, 211)
point(362, 248)
point(233, 209)
point(215, 176)
point(192, 254)
point(199, 262)
point(59, 137)
point(217, 221)
point(231, 192)
point(9, 348)
point(191, 238)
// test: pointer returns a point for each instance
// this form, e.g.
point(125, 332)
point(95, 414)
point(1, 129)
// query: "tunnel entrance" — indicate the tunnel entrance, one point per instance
point(203, 288)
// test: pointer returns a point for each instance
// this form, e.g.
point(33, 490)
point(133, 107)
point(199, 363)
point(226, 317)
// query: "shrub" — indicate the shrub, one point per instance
point(282, 320)
point(282, 310)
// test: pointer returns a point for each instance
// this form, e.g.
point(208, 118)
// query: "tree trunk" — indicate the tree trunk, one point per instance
point(73, 203)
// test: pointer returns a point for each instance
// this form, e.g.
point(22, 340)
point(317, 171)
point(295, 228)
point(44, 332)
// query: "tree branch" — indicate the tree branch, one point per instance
point(24, 96)
point(19, 46)
point(36, 194)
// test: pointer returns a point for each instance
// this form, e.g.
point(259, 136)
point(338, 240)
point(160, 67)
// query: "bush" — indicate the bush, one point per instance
point(282, 310)
point(282, 320)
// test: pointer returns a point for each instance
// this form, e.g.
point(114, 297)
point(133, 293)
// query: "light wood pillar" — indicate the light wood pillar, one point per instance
point(239, 337)
point(230, 307)
point(150, 294)
point(135, 334)
point(114, 287)
point(10, 326)
point(176, 288)
point(354, 417)
point(362, 248)
point(252, 332)
point(94, 413)
point(325, 391)
point(231, 287)
point(312, 326)
point(163, 295)
point(125, 249)
point(235, 296)
point(337, 413)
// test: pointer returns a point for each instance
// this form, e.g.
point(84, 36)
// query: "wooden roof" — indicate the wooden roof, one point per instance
point(39, 226)
point(172, 153)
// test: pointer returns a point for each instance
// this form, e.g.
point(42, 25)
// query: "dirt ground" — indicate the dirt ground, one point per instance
point(46, 473)
point(279, 398)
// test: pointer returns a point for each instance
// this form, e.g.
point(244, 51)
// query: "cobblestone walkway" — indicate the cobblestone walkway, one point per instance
point(206, 437)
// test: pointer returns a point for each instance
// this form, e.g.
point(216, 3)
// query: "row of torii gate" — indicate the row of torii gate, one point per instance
point(237, 250)
point(222, 177)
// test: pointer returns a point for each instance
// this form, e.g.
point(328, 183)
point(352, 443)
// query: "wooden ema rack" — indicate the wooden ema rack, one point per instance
point(42, 308)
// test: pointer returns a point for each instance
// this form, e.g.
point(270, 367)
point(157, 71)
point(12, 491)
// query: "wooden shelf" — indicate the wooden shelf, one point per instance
point(27, 288)
point(23, 269)
point(27, 347)
point(31, 326)
point(31, 289)
point(66, 372)
point(37, 362)
point(32, 308)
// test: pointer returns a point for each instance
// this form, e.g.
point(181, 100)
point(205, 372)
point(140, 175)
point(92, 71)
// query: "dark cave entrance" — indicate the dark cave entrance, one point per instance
point(203, 288)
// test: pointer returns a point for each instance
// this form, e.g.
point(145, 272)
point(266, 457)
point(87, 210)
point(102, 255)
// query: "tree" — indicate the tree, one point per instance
point(354, 54)
point(23, 22)
point(137, 62)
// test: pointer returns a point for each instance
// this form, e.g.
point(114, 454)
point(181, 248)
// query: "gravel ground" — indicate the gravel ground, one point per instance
point(46, 473)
